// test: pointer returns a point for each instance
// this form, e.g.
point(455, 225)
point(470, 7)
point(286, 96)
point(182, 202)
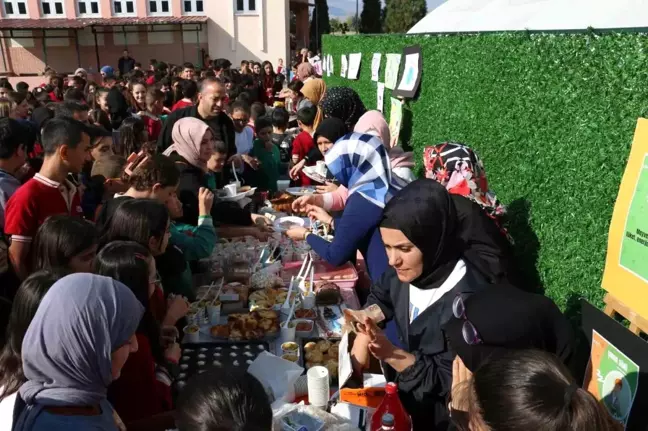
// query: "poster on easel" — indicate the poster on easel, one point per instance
point(626, 264)
point(612, 377)
point(616, 370)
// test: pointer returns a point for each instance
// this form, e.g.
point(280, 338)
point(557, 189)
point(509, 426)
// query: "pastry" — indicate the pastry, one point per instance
point(236, 335)
point(289, 346)
point(265, 324)
point(323, 346)
point(290, 357)
point(310, 346)
point(334, 350)
point(267, 314)
point(220, 331)
point(332, 367)
point(315, 356)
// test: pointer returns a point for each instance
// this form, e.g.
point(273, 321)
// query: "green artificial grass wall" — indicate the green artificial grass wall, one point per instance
point(553, 118)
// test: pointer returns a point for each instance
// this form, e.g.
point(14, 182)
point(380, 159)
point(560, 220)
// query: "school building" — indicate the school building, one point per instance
point(66, 34)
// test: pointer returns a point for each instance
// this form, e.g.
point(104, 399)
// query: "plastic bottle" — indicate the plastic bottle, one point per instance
point(391, 405)
point(387, 422)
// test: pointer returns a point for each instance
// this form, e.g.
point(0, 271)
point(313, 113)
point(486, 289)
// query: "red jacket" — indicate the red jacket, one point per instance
point(137, 394)
point(302, 144)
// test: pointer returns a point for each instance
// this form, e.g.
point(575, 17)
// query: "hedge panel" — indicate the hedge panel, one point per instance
point(551, 115)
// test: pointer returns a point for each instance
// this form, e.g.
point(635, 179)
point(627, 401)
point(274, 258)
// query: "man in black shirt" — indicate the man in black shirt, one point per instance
point(210, 109)
point(126, 64)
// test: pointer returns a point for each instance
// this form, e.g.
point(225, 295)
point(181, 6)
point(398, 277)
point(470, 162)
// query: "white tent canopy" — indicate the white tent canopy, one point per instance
point(501, 15)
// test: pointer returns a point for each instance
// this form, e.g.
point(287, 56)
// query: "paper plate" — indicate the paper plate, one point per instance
point(301, 191)
point(284, 223)
point(237, 197)
point(311, 173)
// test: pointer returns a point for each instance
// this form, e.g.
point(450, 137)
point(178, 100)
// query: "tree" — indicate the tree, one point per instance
point(403, 14)
point(352, 23)
point(320, 24)
point(370, 18)
point(336, 25)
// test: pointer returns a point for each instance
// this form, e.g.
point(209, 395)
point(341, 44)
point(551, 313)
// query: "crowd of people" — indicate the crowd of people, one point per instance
point(109, 198)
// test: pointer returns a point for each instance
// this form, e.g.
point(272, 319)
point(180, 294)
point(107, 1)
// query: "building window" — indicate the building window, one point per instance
point(159, 7)
point(193, 7)
point(246, 6)
point(88, 7)
point(15, 8)
point(123, 7)
point(52, 8)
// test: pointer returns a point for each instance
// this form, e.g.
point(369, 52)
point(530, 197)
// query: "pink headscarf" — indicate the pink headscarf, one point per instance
point(187, 135)
point(373, 121)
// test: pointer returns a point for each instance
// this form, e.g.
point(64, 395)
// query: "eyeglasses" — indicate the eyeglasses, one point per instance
point(468, 330)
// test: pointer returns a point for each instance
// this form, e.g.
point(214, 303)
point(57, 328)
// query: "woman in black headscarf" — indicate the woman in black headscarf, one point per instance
point(433, 258)
point(343, 103)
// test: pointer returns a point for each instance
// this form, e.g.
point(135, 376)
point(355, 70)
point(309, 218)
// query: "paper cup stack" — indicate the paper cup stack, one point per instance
point(318, 387)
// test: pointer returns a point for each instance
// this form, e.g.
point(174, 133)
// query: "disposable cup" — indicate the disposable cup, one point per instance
point(192, 333)
point(309, 301)
point(318, 386)
point(283, 185)
point(230, 189)
point(288, 334)
point(213, 311)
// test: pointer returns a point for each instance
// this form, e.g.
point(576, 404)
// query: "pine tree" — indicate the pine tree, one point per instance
point(370, 18)
point(320, 24)
point(403, 14)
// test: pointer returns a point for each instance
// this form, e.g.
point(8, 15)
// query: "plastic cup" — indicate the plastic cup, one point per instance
point(288, 333)
point(213, 311)
point(309, 301)
point(192, 333)
point(230, 189)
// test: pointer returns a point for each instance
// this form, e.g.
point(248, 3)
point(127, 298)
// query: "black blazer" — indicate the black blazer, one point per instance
point(424, 387)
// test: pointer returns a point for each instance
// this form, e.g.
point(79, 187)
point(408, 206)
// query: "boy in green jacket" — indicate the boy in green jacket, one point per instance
point(268, 155)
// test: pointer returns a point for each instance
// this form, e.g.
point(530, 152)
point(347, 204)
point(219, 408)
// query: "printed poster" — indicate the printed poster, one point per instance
point(634, 245)
point(626, 271)
point(375, 66)
point(380, 97)
point(395, 120)
point(344, 67)
point(612, 378)
point(354, 65)
point(331, 68)
point(391, 70)
point(412, 69)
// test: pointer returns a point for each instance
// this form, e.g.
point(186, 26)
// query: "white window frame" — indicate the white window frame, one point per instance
point(52, 4)
point(246, 8)
point(159, 8)
point(194, 6)
point(88, 5)
point(123, 12)
point(14, 4)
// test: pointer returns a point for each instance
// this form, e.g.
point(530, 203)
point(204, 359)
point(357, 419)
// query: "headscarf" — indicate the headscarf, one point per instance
point(426, 215)
point(314, 90)
point(508, 318)
point(374, 121)
point(446, 228)
point(332, 129)
point(81, 70)
point(458, 168)
point(360, 163)
point(305, 70)
point(67, 349)
point(343, 103)
point(187, 135)
point(108, 71)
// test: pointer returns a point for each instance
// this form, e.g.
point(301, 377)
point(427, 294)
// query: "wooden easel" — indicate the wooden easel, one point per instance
point(613, 307)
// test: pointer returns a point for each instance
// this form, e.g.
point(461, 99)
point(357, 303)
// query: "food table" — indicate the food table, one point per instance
point(248, 290)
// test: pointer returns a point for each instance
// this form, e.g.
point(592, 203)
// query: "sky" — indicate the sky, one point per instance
point(344, 8)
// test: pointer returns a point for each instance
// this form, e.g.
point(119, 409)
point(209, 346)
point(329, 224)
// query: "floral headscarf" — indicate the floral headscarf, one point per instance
point(343, 103)
point(459, 169)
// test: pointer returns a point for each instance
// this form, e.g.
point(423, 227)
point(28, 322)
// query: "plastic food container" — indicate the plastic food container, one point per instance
point(192, 333)
point(304, 327)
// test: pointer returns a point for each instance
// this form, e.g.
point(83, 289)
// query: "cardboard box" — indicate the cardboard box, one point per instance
point(367, 393)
